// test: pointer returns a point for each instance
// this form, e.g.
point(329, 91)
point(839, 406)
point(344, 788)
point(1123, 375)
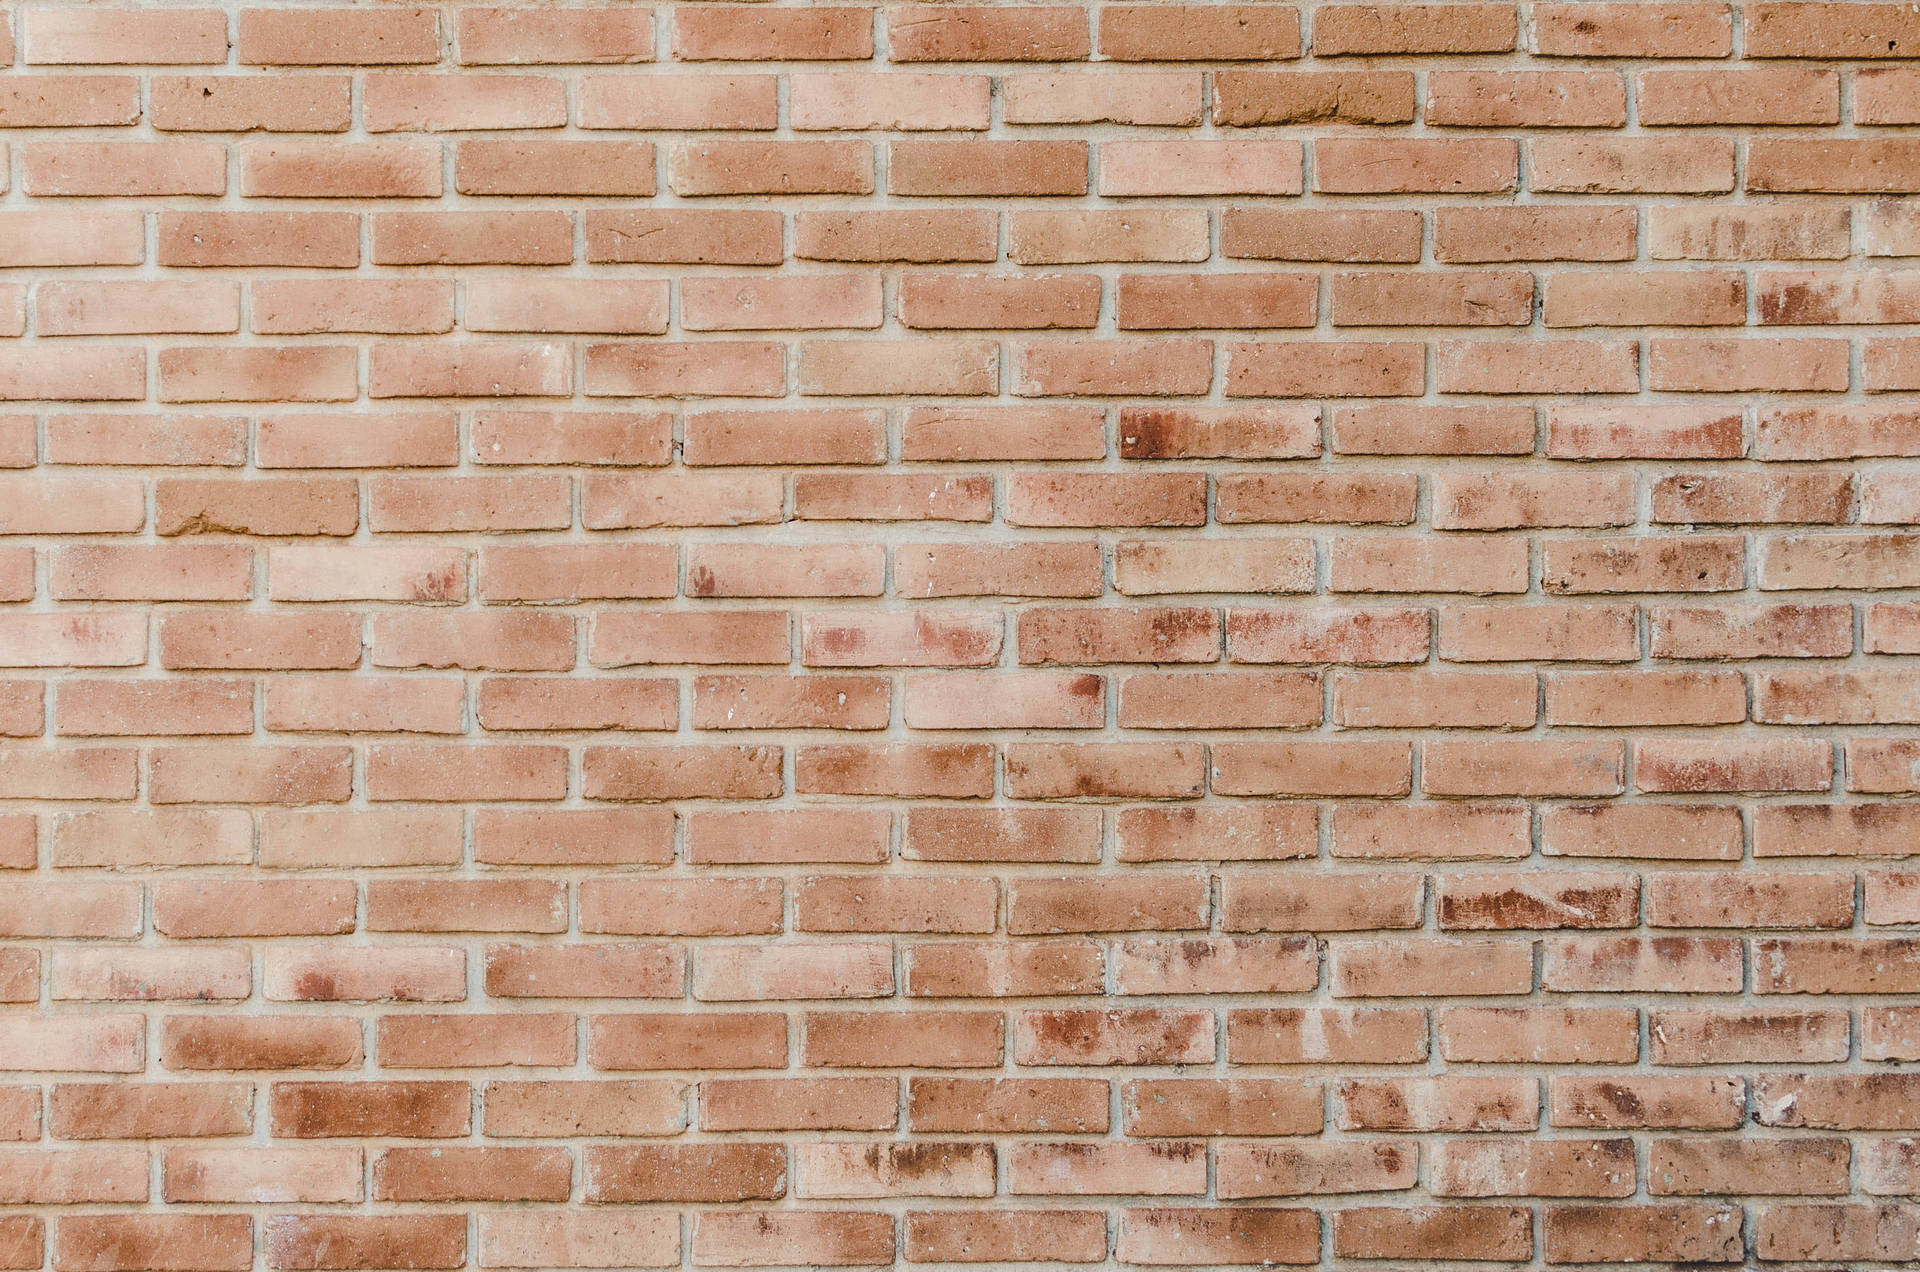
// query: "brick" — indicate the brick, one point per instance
point(1415, 166)
point(311, 373)
point(1477, 565)
point(1087, 367)
point(1250, 904)
point(1763, 96)
point(97, 708)
point(1444, 1103)
point(1870, 165)
point(1248, 1170)
point(1563, 1035)
point(799, 1103)
point(771, 167)
point(1154, 33)
point(754, 1239)
point(718, 237)
point(450, 103)
point(554, 167)
point(1480, 1232)
point(217, 441)
point(1346, 369)
point(983, 969)
point(291, 37)
point(288, 1174)
point(1359, 29)
point(1076, 1236)
point(1825, 30)
point(1031, 645)
point(113, 36)
point(300, 307)
point(1066, 771)
point(1626, 30)
point(1544, 233)
point(1757, 233)
point(1706, 1036)
point(613, 1107)
point(584, 1240)
point(470, 238)
point(216, 639)
point(719, 304)
point(1315, 1035)
point(1388, 498)
point(1586, 900)
point(180, 1242)
point(91, 309)
point(1882, 92)
point(1704, 1232)
point(1381, 300)
point(1439, 831)
point(522, 37)
point(123, 168)
point(1654, 165)
point(340, 170)
point(1387, 966)
point(227, 1043)
point(828, 100)
point(744, 34)
point(1130, 98)
point(1530, 99)
point(1245, 99)
point(321, 1241)
point(1141, 168)
point(233, 239)
point(1168, 1168)
point(1264, 1234)
point(1696, 298)
point(943, 1040)
point(942, 301)
point(1000, 168)
point(902, 235)
point(1352, 237)
point(1622, 1101)
point(108, 373)
point(233, 103)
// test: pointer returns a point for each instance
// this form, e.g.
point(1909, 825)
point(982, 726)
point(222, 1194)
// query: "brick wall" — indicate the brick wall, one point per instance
point(737, 635)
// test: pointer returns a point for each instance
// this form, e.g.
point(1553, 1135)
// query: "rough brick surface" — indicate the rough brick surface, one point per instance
point(1140, 634)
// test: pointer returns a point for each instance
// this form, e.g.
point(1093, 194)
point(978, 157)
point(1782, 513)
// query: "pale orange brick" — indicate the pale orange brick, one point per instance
point(294, 37)
point(968, 33)
point(1528, 99)
point(1181, 168)
point(1635, 165)
point(109, 36)
point(233, 103)
point(1199, 33)
point(340, 170)
point(442, 103)
point(1073, 237)
point(1678, 30)
point(600, 34)
point(1109, 97)
point(826, 101)
point(752, 304)
point(1252, 98)
point(1373, 29)
point(1415, 165)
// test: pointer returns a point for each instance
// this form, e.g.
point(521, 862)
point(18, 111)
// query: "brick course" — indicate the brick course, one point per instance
point(739, 635)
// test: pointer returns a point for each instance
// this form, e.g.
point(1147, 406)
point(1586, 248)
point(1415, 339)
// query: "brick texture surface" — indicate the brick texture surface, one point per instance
point(1140, 634)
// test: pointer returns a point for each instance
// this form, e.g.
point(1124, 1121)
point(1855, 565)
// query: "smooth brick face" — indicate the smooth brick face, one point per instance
point(1053, 633)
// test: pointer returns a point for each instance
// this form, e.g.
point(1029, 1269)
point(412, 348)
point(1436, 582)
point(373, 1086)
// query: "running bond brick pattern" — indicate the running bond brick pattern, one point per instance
point(733, 635)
